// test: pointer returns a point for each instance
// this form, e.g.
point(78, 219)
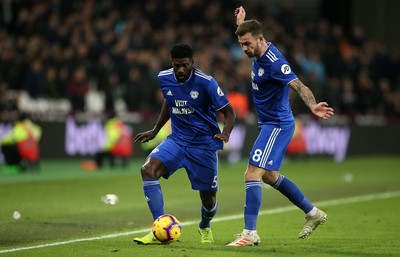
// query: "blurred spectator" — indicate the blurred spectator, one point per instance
point(62, 80)
point(365, 92)
point(8, 100)
point(21, 145)
point(312, 66)
point(113, 91)
point(34, 80)
point(118, 143)
point(385, 98)
point(348, 97)
point(52, 85)
point(78, 87)
point(136, 91)
point(240, 104)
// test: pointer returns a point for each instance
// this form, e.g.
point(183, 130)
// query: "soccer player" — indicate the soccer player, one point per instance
point(192, 101)
point(272, 79)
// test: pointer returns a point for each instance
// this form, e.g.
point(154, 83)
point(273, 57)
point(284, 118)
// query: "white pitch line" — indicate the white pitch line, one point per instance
point(339, 201)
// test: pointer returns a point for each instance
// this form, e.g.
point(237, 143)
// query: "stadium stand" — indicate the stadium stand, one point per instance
point(101, 56)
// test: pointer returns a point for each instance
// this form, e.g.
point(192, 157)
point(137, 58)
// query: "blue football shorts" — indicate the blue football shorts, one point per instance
point(201, 165)
point(270, 146)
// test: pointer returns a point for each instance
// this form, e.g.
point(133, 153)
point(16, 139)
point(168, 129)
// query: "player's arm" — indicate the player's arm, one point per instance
point(321, 109)
point(162, 118)
point(150, 134)
point(229, 121)
point(240, 14)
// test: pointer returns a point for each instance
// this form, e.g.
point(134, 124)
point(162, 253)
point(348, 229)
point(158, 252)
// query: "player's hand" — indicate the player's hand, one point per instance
point(240, 14)
point(322, 110)
point(145, 136)
point(222, 137)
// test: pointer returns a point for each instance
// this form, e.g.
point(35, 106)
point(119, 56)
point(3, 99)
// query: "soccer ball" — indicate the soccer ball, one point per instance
point(167, 229)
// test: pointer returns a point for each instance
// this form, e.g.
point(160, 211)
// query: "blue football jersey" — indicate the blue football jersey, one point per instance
point(270, 77)
point(193, 106)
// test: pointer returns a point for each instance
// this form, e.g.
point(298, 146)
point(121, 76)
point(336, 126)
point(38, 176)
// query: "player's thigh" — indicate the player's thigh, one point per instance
point(170, 154)
point(270, 146)
point(202, 168)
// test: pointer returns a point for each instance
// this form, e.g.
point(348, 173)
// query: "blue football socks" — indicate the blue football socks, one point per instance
point(293, 193)
point(253, 203)
point(207, 215)
point(153, 193)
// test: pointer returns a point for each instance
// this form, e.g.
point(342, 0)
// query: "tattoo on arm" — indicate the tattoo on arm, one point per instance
point(304, 92)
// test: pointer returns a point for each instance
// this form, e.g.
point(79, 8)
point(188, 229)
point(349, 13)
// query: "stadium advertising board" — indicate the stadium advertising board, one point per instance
point(75, 139)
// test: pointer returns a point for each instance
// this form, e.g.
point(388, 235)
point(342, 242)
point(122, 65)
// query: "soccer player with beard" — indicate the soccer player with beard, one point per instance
point(272, 79)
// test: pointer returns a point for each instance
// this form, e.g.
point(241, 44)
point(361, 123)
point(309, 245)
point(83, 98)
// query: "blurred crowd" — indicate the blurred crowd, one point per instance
point(68, 49)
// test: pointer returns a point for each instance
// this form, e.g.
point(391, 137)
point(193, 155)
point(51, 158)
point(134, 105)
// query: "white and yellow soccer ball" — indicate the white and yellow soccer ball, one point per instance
point(167, 229)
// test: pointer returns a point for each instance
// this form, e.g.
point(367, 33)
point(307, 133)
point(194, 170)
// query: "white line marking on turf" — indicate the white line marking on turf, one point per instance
point(340, 201)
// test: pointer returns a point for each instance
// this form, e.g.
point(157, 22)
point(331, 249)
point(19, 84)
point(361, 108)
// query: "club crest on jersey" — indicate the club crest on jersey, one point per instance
point(220, 92)
point(194, 94)
point(285, 69)
point(260, 72)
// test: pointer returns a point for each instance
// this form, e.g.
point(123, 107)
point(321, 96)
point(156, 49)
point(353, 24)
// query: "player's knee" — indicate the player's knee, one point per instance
point(208, 199)
point(252, 173)
point(209, 203)
point(270, 177)
point(148, 171)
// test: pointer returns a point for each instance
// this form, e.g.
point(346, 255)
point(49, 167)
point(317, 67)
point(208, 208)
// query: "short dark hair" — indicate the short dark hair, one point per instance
point(250, 26)
point(181, 50)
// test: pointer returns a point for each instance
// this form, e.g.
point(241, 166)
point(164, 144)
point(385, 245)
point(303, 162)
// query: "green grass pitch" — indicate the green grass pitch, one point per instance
point(62, 213)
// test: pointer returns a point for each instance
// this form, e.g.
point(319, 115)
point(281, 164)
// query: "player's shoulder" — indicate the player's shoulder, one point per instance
point(165, 73)
point(166, 77)
point(201, 75)
point(273, 56)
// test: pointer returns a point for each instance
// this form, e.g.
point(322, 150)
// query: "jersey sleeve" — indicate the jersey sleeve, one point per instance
point(217, 96)
point(281, 71)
